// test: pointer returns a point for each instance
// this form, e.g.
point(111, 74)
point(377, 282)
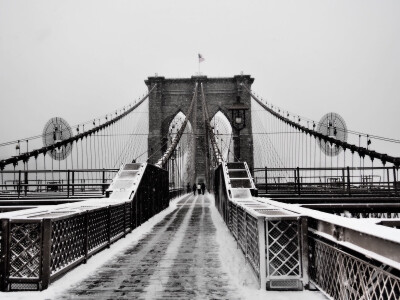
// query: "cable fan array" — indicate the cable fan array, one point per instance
point(92, 151)
point(322, 150)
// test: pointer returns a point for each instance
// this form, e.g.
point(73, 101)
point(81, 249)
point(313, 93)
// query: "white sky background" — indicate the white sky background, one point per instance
point(82, 59)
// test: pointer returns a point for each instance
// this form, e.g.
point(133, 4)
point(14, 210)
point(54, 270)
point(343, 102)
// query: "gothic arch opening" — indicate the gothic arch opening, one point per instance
point(223, 134)
point(183, 158)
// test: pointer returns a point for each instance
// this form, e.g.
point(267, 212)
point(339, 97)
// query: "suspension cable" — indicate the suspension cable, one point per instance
point(327, 139)
point(216, 151)
point(165, 157)
point(25, 156)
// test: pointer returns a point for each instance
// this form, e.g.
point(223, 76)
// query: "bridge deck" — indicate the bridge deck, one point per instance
point(180, 258)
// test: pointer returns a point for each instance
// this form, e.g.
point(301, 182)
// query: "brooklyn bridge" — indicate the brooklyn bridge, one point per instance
point(113, 208)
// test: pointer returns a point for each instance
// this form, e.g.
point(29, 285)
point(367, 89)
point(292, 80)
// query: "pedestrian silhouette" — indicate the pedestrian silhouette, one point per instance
point(188, 188)
point(203, 188)
point(199, 189)
point(194, 189)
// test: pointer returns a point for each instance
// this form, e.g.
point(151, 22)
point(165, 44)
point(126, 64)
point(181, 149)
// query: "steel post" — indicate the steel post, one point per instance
point(68, 183)
point(261, 247)
point(19, 183)
point(348, 181)
point(26, 183)
point(304, 250)
point(103, 189)
point(394, 180)
point(73, 182)
point(46, 253)
point(4, 254)
point(298, 181)
point(343, 180)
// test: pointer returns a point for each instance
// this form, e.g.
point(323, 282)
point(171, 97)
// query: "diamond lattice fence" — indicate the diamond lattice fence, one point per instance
point(253, 250)
point(25, 250)
point(98, 228)
point(67, 242)
point(117, 219)
point(283, 248)
point(346, 277)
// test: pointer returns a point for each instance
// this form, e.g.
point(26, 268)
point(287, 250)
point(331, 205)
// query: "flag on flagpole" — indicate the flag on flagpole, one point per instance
point(201, 58)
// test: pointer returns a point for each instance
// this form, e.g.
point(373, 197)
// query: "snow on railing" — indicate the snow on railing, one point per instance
point(270, 238)
point(40, 244)
point(350, 258)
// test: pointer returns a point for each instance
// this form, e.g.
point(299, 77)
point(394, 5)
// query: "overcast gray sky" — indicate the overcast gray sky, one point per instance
point(81, 59)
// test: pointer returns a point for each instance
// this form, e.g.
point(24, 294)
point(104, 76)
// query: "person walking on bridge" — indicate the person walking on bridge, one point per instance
point(194, 189)
point(199, 189)
point(203, 188)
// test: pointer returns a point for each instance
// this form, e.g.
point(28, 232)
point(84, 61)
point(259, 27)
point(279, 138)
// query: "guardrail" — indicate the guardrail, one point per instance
point(272, 239)
point(380, 209)
point(343, 275)
point(38, 245)
point(352, 258)
point(344, 181)
point(247, 231)
point(61, 183)
point(346, 258)
point(42, 246)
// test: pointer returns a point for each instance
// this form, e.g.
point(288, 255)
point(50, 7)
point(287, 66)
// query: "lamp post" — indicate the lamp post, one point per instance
point(238, 117)
point(18, 149)
point(178, 167)
point(173, 169)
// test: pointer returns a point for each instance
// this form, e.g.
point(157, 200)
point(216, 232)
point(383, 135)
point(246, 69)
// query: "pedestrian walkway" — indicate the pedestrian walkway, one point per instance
point(179, 259)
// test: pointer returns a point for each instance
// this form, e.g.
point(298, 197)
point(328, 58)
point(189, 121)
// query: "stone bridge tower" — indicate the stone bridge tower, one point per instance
point(174, 95)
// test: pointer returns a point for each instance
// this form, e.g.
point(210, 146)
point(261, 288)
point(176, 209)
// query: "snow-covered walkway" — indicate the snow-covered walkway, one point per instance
point(179, 259)
point(185, 252)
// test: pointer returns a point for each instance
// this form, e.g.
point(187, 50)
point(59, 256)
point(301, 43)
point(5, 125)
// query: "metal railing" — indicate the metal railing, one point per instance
point(245, 228)
point(345, 258)
point(345, 276)
point(379, 210)
point(40, 244)
point(344, 181)
point(270, 238)
point(350, 258)
point(60, 183)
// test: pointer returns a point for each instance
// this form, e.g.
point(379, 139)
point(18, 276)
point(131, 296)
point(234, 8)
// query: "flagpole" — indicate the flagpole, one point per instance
point(201, 59)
